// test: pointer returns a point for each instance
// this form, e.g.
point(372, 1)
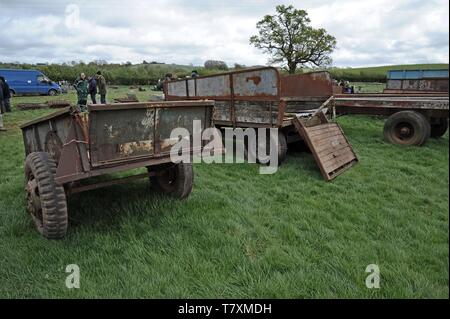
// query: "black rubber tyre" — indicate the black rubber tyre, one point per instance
point(440, 128)
point(282, 149)
point(52, 92)
point(407, 128)
point(47, 203)
point(175, 180)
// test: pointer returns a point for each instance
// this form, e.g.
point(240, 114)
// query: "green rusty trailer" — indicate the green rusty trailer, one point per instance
point(67, 147)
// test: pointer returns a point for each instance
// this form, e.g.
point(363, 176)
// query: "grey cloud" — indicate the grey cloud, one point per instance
point(190, 31)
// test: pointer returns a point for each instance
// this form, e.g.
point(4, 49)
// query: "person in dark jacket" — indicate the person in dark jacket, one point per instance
point(81, 86)
point(1, 107)
point(6, 94)
point(101, 83)
point(93, 89)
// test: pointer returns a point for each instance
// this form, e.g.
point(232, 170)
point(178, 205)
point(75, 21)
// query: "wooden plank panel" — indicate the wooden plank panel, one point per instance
point(330, 148)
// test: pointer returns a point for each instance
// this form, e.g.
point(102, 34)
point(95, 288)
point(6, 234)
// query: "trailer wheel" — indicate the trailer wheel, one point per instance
point(175, 180)
point(439, 129)
point(407, 128)
point(282, 149)
point(46, 201)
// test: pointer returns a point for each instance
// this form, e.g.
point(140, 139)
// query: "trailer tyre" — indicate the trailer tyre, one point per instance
point(407, 128)
point(175, 180)
point(439, 129)
point(46, 201)
point(282, 150)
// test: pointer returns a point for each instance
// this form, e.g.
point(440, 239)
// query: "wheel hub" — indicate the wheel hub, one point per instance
point(404, 131)
point(33, 199)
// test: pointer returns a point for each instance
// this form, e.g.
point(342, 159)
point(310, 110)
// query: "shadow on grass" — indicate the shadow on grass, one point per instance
point(107, 209)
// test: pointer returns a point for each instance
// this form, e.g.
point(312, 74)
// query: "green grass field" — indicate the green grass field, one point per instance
point(241, 234)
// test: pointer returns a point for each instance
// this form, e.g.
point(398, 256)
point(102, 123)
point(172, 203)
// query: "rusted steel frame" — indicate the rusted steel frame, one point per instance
point(397, 95)
point(398, 91)
point(156, 139)
point(117, 181)
point(224, 98)
point(281, 112)
point(341, 110)
point(232, 105)
point(231, 72)
point(138, 158)
point(113, 169)
point(393, 104)
point(146, 105)
point(241, 124)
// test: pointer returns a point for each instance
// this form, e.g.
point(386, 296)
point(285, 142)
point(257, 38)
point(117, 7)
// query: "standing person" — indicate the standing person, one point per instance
point(101, 83)
point(194, 74)
point(81, 86)
point(6, 94)
point(93, 89)
point(1, 107)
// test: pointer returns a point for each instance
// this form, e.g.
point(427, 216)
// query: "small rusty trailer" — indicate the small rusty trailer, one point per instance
point(261, 98)
point(412, 118)
point(66, 147)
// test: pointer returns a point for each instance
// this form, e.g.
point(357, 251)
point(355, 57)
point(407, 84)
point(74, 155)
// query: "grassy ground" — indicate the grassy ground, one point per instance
point(241, 234)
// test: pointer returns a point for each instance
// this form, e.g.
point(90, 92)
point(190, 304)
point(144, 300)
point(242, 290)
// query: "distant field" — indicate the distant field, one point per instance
point(241, 234)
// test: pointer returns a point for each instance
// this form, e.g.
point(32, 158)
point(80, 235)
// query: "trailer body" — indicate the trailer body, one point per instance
point(66, 148)
point(261, 98)
point(412, 118)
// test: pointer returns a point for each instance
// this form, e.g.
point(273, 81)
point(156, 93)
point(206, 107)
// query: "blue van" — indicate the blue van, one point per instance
point(29, 82)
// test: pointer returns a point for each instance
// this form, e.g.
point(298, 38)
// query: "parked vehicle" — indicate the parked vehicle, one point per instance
point(411, 118)
point(63, 149)
point(29, 82)
point(262, 98)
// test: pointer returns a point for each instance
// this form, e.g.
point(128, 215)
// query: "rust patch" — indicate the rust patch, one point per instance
point(132, 148)
point(256, 79)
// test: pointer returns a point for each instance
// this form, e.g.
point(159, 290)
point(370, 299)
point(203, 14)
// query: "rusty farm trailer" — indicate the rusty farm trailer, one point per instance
point(260, 97)
point(412, 118)
point(64, 148)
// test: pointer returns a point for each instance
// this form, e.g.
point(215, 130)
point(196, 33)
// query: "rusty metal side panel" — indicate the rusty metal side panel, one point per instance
point(214, 86)
point(394, 84)
point(121, 134)
point(425, 85)
point(168, 119)
point(308, 84)
point(36, 133)
point(222, 111)
point(177, 88)
point(259, 83)
point(256, 112)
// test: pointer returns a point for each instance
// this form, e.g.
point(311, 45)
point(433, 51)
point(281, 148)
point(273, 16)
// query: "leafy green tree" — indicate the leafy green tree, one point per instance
point(292, 41)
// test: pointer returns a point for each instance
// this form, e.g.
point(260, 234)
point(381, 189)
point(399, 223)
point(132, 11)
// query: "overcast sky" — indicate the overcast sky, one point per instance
point(368, 32)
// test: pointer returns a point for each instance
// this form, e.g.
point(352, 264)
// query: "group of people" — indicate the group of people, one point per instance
point(5, 100)
point(90, 87)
